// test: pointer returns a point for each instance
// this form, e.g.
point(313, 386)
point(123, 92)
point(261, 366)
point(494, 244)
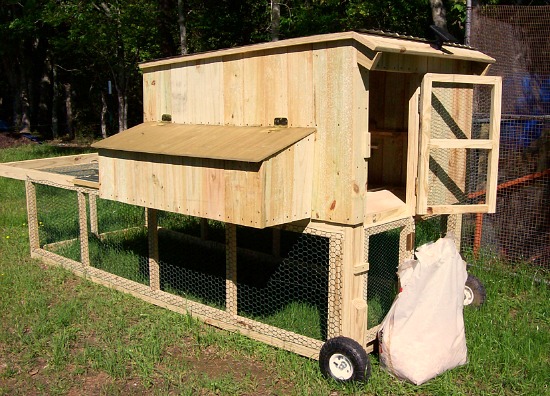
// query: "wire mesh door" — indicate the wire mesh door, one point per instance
point(460, 124)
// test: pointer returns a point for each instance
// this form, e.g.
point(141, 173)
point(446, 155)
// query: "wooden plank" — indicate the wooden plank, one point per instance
point(205, 92)
point(83, 228)
point(32, 215)
point(153, 248)
point(179, 99)
point(361, 139)
point(254, 90)
point(457, 209)
point(150, 94)
point(354, 307)
point(412, 147)
point(275, 86)
point(231, 300)
point(54, 162)
point(249, 144)
point(334, 187)
point(494, 135)
point(425, 136)
point(233, 90)
point(485, 144)
point(92, 203)
point(301, 106)
point(288, 184)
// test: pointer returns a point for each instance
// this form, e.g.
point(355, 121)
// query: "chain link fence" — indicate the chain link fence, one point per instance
point(519, 231)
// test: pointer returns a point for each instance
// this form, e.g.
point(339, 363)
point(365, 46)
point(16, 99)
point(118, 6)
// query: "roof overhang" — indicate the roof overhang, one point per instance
point(374, 43)
point(223, 142)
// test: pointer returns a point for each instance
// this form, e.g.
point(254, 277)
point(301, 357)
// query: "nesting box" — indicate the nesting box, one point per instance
point(333, 144)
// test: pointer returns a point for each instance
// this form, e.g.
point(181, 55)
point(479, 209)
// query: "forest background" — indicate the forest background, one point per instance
point(69, 68)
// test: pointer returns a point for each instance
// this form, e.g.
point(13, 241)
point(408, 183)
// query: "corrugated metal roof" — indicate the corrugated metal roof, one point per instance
point(248, 144)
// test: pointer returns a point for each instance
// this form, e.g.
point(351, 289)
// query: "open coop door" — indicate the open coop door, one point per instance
point(459, 140)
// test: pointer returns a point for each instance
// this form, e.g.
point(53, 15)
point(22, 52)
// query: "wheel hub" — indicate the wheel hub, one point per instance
point(340, 367)
point(468, 295)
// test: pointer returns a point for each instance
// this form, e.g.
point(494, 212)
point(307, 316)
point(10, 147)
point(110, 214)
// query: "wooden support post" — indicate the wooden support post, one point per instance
point(83, 223)
point(454, 226)
point(93, 214)
point(354, 306)
point(32, 215)
point(153, 241)
point(334, 312)
point(231, 268)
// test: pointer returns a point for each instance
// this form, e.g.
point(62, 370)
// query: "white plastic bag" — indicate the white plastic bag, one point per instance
point(423, 333)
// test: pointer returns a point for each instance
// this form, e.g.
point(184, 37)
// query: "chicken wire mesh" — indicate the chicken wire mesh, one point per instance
point(520, 228)
point(281, 283)
point(57, 220)
point(457, 174)
point(385, 247)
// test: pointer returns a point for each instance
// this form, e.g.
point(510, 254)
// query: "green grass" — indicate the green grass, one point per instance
point(60, 334)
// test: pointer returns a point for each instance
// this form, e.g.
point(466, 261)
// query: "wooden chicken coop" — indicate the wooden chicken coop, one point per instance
point(334, 142)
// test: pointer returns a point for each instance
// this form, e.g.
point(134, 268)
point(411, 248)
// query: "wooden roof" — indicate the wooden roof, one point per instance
point(248, 144)
point(373, 42)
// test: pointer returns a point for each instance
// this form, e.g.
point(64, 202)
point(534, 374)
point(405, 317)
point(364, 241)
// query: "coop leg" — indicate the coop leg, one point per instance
point(354, 307)
point(32, 215)
point(452, 225)
point(153, 242)
point(231, 268)
point(93, 214)
point(83, 223)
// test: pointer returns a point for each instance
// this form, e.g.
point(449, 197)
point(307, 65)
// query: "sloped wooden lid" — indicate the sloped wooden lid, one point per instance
point(247, 144)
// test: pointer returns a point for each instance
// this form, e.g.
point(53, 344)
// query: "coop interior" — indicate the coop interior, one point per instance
point(389, 95)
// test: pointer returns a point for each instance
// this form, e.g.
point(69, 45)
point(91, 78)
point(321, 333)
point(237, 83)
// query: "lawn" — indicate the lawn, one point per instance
point(60, 334)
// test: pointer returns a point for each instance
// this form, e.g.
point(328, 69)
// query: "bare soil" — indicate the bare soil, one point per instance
point(10, 139)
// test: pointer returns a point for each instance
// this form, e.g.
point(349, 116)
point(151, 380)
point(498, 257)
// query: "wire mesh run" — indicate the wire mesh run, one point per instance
point(58, 221)
point(386, 246)
point(520, 228)
point(290, 289)
point(283, 284)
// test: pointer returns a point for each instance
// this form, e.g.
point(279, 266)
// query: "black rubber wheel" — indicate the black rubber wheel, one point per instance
point(474, 292)
point(344, 360)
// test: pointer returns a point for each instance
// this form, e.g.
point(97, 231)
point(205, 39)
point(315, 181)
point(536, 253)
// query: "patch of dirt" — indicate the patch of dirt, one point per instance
point(92, 384)
point(215, 364)
point(9, 139)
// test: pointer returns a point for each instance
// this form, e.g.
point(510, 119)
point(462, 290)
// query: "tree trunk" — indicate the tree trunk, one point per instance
point(103, 115)
point(23, 122)
point(275, 20)
point(122, 111)
point(44, 97)
point(439, 15)
point(55, 101)
point(183, 29)
point(69, 109)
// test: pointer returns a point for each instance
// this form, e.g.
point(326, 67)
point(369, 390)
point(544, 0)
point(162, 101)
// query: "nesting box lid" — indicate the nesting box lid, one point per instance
point(247, 144)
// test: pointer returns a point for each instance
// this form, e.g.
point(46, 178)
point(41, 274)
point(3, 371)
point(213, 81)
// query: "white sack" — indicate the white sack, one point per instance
point(423, 333)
